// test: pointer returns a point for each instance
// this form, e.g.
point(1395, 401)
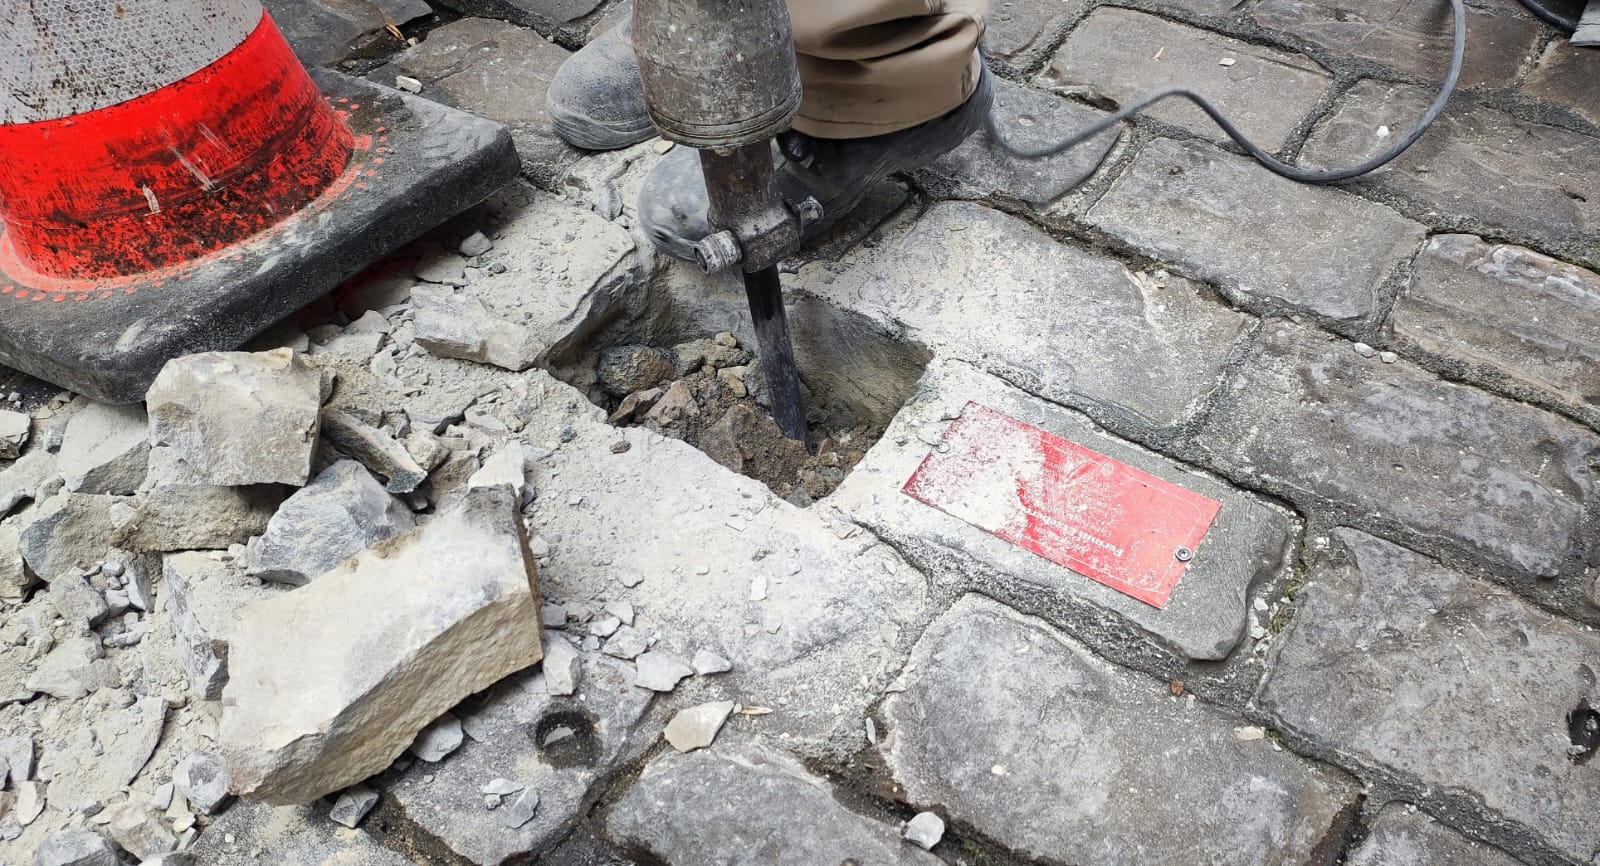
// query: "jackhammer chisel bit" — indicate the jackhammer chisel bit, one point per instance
point(721, 76)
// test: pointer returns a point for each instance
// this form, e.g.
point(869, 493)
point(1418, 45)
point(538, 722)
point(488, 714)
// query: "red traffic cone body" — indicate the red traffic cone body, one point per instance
point(172, 179)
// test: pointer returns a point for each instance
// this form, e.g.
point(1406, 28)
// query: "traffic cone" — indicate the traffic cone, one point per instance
point(173, 180)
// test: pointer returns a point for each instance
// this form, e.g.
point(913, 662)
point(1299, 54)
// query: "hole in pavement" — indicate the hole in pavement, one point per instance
point(1583, 726)
point(566, 738)
point(682, 363)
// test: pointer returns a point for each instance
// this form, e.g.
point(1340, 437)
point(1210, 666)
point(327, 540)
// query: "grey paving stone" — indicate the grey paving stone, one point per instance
point(500, 71)
point(1566, 76)
point(1403, 835)
point(323, 32)
point(1477, 164)
point(1027, 118)
point(546, 15)
point(1208, 614)
point(1528, 320)
point(507, 734)
point(1075, 326)
point(1281, 244)
point(1121, 54)
point(1019, 33)
point(252, 833)
point(1331, 429)
point(1454, 687)
point(1413, 36)
point(1034, 741)
point(749, 804)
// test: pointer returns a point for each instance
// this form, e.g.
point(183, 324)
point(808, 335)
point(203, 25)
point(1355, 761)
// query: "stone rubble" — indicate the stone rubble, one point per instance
point(697, 727)
point(105, 449)
point(438, 739)
point(924, 830)
point(14, 431)
point(352, 805)
point(340, 513)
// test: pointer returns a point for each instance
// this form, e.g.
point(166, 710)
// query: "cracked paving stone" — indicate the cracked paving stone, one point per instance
point(1413, 36)
point(750, 804)
point(1334, 430)
point(1018, 33)
point(1208, 614)
point(1224, 219)
point(1120, 54)
point(1075, 326)
point(1119, 771)
point(1532, 320)
point(1511, 177)
point(1394, 662)
point(323, 32)
point(1403, 835)
point(1566, 75)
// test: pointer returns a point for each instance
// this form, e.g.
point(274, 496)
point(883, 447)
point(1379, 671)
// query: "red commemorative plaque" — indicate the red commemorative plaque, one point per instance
point(1099, 517)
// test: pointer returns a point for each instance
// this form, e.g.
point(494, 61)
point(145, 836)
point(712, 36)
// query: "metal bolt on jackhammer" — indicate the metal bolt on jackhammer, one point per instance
point(718, 252)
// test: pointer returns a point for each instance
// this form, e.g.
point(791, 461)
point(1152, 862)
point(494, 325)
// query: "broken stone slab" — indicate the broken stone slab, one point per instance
point(204, 596)
point(67, 531)
point(204, 781)
point(460, 610)
point(627, 642)
point(324, 32)
point(105, 449)
point(340, 513)
point(685, 808)
point(204, 517)
point(239, 418)
point(438, 739)
point(353, 805)
point(1519, 318)
point(545, 16)
point(1208, 614)
point(659, 672)
point(77, 602)
point(697, 727)
point(455, 325)
point(70, 671)
point(1334, 677)
point(1123, 773)
point(76, 848)
point(1075, 326)
point(1548, 197)
point(140, 832)
point(290, 835)
point(1357, 437)
point(1119, 55)
point(14, 428)
point(375, 449)
point(15, 576)
point(1403, 835)
point(509, 729)
point(517, 813)
point(562, 666)
point(1224, 220)
point(31, 477)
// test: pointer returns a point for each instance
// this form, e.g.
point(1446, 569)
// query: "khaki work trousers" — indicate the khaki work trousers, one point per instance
point(871, 67)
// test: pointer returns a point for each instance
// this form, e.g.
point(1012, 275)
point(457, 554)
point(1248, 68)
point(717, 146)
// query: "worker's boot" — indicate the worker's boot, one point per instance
point(596, 100)
point(837, 172)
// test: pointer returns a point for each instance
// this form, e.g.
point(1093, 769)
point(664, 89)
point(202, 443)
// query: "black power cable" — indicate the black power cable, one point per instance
point(1293, 172)
point(1554, 19)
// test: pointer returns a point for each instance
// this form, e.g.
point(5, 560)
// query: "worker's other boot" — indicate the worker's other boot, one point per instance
point(596, 100)
point(838, 172)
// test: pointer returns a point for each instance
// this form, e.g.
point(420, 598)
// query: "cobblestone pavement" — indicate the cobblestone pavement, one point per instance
point(1385, 652)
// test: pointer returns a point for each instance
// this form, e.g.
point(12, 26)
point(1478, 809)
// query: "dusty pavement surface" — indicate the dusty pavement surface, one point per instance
point(294, 574)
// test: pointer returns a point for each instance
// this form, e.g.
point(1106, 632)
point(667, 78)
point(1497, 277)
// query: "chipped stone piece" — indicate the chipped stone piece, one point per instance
point(707, 662)
point(924, 830)
point(659, 672)
point(520, 810)
point(353, 805)
point(697, 727)
point(204, 781)
point(562, 667)
point(439, 739)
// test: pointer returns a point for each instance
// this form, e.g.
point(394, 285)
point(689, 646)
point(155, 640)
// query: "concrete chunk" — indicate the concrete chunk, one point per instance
point(454, 605)
point(106, 449)
point(1394, 661)
point(375, 449)
point(204, 596)
point(454, 325)
point(1119, 771)
point(340, 513)
point(239, 418)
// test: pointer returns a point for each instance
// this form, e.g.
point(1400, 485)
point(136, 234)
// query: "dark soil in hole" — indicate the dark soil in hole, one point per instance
point(712, 394)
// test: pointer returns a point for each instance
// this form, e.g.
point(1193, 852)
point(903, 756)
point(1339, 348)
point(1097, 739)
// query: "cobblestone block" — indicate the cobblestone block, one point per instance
point(1394, 662)
point(979, 169)
point(548, 16)
point(1208, 614)
point(1566, 76)
point(323, 32)
point(1331, 429)
point(1413, 36)
point(1120, 54)
point(1477, 164)
point(1039, 744)
point(1020, 32)
point(1532, 321)
point(689, 810)
point(1402, 835)
point(1275, 242)
point(1075, 326)
point(496, 70)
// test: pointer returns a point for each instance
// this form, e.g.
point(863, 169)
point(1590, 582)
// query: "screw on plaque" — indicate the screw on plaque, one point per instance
point(1183, 554)
point(942, 447)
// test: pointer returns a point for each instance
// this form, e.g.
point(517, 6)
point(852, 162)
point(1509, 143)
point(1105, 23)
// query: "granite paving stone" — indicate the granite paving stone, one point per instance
point(1566, 75)
point(1458, 689)
point(1019, 33)
point(1403, 835)
point(1028, 119)
point(324, 32)
point(548, 16)
point(749, 804)
point(497, 70)
point(1024, 735)
point(1224, 219)
point(1120, 54)
point(1209, 612)
point(1520, 316)
point(1477, 166)
point(1333, 430)
point(1413, 36)
point(1078, 327)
